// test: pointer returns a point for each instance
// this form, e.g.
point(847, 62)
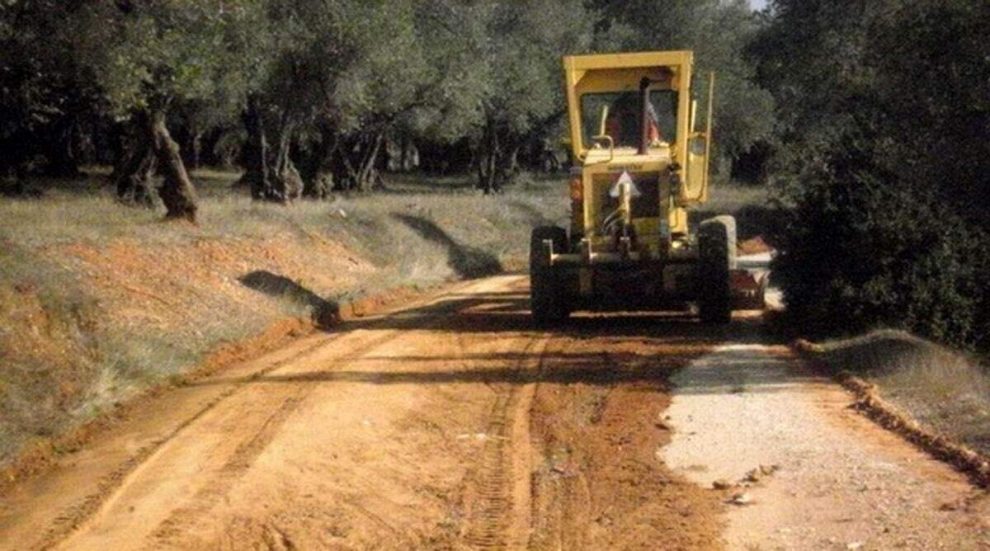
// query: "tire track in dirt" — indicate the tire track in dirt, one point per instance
point(238, 463)
point(249, 449)
point(170, 531)
point(597, 483)
point(74, 519)
point(565, 458)
point(498, 491)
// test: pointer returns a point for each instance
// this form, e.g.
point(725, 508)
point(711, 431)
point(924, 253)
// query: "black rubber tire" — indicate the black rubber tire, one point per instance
point(548, 303)
point(716, 259)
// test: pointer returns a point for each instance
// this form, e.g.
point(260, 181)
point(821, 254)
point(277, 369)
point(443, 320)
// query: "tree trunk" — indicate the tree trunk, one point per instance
point(135, 163)
point(368, 175)
point(193, 148)
point(177, 191)
point(498, 159)
point(286, 182)
point(359, 160)
point(255, 152)
point(488, 154)
point(320, 179)
point(272, 175)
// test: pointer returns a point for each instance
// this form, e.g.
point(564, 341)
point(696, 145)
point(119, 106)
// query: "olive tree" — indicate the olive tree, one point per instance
point(524, 95)
point(148, 57)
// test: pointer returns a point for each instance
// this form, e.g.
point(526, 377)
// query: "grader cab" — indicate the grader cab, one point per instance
point(641, 162)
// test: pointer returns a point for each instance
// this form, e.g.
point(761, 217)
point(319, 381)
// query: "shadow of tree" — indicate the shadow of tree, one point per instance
point(466, 261)
point(325, 312)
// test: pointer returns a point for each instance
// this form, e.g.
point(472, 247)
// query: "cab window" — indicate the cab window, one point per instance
point(616, 114)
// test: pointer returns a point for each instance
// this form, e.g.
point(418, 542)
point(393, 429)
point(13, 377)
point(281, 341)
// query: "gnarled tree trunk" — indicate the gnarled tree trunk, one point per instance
point(271, 175)
point(255, 151)
point(320, 175)
point(360, 159)
point(287, 183)
point(177, 191)
point(135, 163)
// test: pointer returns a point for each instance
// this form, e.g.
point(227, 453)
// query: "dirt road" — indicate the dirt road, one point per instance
point(451, 424)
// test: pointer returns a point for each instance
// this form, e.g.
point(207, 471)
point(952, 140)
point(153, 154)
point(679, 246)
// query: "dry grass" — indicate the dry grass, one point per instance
point(943, 390)
point(99, 300)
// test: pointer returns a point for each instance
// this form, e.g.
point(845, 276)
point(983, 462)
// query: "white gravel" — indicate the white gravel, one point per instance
point(842, 483)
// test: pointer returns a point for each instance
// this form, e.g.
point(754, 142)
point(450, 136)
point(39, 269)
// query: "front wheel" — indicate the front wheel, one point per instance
point(716, 259)
point(547, 301)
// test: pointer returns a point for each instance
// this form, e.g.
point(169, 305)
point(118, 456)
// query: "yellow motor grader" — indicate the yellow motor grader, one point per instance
point(641, 163)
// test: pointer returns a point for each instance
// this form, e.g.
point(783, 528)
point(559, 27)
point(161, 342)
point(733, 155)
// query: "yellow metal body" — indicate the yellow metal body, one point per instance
point(672, 176)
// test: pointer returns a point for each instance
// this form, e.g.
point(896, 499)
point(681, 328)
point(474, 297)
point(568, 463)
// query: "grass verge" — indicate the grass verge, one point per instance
point(936, 398)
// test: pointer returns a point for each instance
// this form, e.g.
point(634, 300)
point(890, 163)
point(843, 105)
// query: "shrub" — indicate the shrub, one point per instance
point(862, 248)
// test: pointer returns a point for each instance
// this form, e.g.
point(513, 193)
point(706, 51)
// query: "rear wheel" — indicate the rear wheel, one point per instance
point(547, 301)
point(716, 259)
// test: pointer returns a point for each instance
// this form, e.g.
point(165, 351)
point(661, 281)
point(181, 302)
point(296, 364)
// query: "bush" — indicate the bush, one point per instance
point(863, 249)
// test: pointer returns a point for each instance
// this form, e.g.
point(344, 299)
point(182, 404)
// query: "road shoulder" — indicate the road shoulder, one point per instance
point(820, 475)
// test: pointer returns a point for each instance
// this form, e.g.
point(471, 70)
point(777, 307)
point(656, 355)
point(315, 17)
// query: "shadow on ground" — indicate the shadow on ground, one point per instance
point(593, 349)
point(466, 261)
point(325, 312)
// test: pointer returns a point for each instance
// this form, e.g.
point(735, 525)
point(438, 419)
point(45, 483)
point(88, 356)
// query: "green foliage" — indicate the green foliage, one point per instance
point(522, 58)
point(41, 87)
point(333, 77)
point(152, 54)
point(881, 153)
point(863, 249)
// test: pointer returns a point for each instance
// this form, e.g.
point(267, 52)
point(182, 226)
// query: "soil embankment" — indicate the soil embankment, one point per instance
point(99, 303)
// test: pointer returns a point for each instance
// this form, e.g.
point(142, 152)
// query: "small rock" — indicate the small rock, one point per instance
point(753, 476)
point(721, 484)
point(760, 472)
point(769, 469)
point(855, 545)
point(741, 499)
point(950, 506)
